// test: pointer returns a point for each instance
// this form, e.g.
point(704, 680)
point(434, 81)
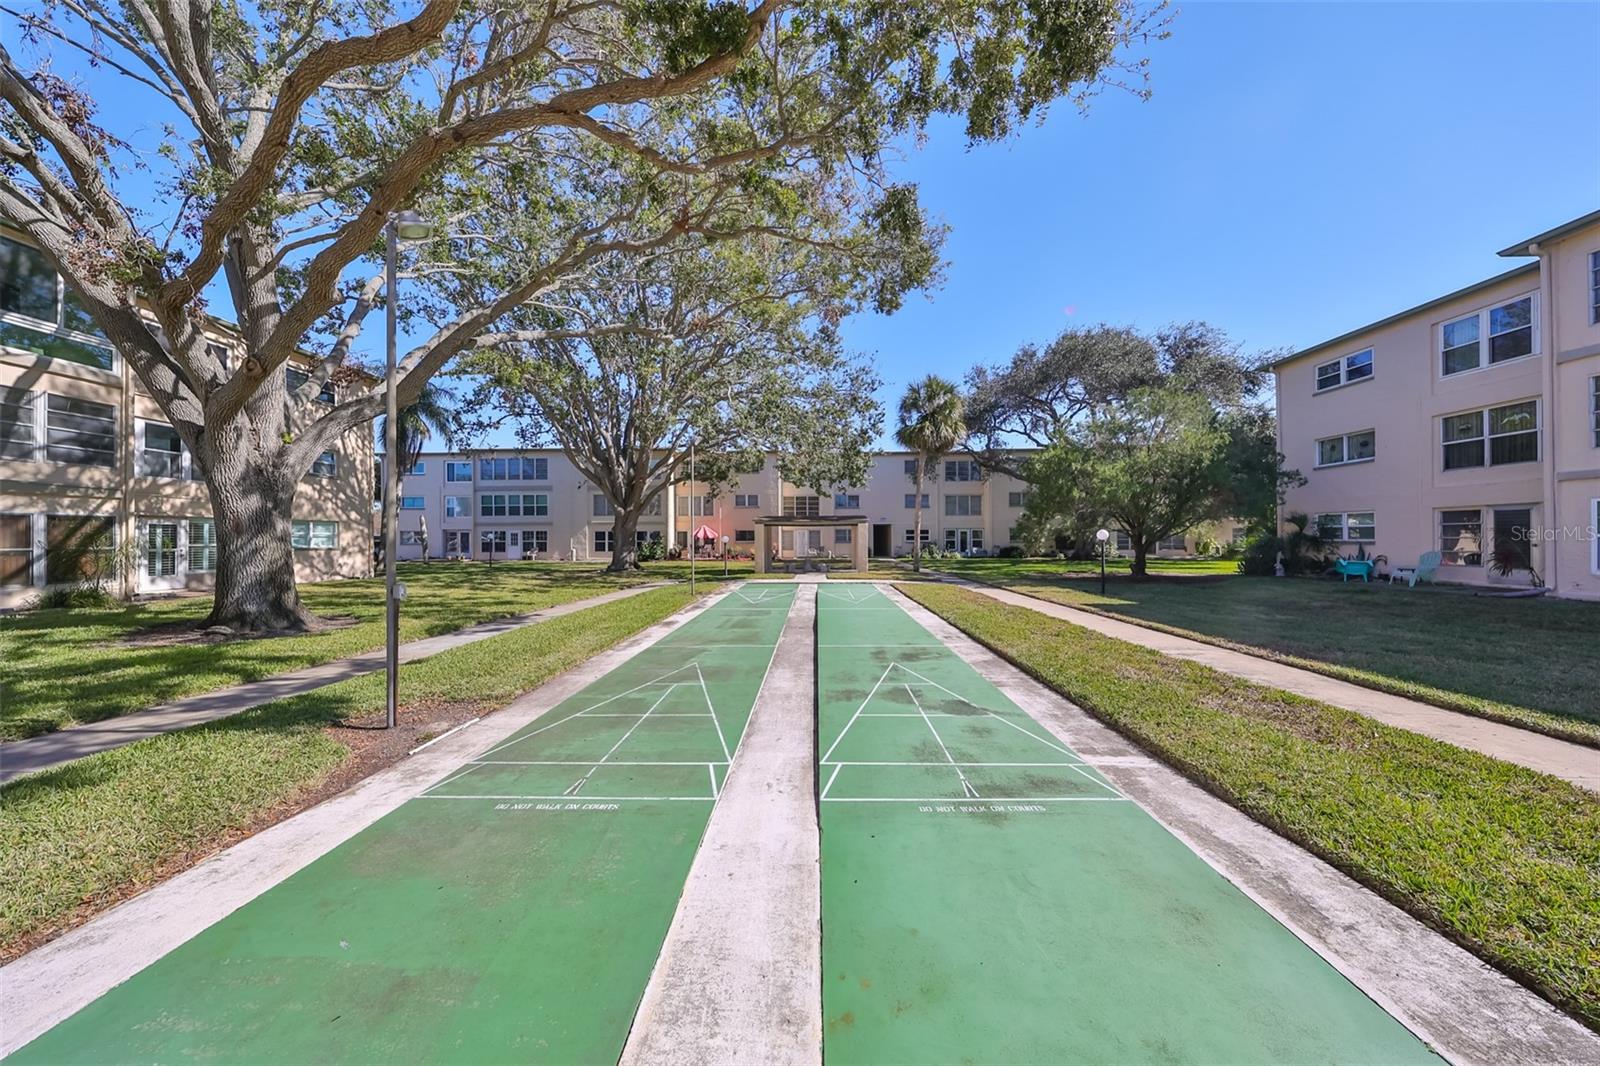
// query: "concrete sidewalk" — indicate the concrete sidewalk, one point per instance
point(1559, 758)
point(52, 749)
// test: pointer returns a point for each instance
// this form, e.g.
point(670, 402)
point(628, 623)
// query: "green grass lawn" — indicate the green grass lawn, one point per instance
point(1530, 662)
point(61, 668)
point(87, 833)
point(1502, 859)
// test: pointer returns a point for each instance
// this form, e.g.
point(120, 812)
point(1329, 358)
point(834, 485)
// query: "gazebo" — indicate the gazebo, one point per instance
point(819, 551)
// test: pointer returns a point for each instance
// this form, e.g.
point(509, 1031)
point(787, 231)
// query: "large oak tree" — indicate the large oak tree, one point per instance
point(293, 129)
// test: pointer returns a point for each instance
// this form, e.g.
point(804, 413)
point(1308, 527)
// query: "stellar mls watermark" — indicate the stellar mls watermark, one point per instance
point(1550, 534)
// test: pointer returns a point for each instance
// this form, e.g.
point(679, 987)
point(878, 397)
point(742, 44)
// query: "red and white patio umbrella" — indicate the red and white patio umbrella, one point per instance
point(704, 532)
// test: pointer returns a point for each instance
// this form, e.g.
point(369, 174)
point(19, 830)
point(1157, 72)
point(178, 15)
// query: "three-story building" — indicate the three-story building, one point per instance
point(1468, 425)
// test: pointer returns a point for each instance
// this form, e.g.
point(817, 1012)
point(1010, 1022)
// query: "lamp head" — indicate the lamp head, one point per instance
point(1102, 535)
point(410, 226)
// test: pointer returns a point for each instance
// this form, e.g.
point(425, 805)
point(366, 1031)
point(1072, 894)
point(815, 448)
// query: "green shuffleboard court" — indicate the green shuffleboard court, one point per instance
point(512, 913)
point(987, 897)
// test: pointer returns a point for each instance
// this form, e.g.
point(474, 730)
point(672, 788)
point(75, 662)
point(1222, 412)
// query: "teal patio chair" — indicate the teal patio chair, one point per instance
point(1425, 569)
point(1346, 568)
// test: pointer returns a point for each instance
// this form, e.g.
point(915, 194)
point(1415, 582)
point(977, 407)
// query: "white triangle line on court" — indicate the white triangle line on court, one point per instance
point(602, 703)
point(1030, 733)
point(726, 754)
point(859, 709)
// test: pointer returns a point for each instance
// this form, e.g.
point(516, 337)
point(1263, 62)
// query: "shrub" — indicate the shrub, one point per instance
point(1010, 551)
point(74, 598)
point(1303, 552)
point(652, 551)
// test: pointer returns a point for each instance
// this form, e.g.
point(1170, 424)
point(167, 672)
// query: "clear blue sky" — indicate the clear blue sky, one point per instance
point(1301, 169)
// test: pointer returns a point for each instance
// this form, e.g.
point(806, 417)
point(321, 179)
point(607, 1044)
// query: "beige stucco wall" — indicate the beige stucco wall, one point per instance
point(1575, 473)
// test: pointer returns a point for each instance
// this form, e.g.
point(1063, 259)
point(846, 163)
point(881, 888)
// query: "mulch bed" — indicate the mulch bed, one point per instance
point(176, 634)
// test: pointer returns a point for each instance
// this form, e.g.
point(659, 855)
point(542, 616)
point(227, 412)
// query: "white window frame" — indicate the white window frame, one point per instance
point(1017, 499)
point(1594, 407)
point(1594, 288)
point(311, 534)
point(406, 503)
point(1487, 436)
point(962, 470)
point(911, 500)
point(1344, 448)
point(451, 466)
point(746, 500)
point(458, 506)
point(1343, 363)
point(206, 544)
point(1482, 315)
point(911, 535)
point(1345, 525)
point(185, 461)
point(605, 540)
point(326, 465)
point(964, 505)
point(57, 328)
point(600, 507)
point(744, 536)
point(850, 501)
point(792, 506)
point(458, 542)
point(34, 400)
point(499, 542)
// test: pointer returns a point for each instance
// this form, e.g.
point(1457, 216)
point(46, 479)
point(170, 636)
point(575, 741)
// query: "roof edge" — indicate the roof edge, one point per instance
point(1522, 248)
point(1322, 346)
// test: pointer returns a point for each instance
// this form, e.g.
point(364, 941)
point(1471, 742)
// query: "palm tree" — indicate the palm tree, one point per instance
point(415, 427)
point(418, 423)
point(932, 423)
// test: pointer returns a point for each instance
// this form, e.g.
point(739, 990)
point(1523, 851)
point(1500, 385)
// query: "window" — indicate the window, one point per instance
point(77, 547)
point(80, 431)
point(16, 549)
point(642, 537)
point(1594, 288)
point(1017, 499)
point(602, 507)
point(698, 506)
point(492, 542)
point(1240, 535)
point(846, 501)
point(311, 534)
point(1509, 328)
point(911, 535)
point(40, 314)
point(962, 470)
point(327, 465)
point(515, 468)
point(911, 469)
point(1350, 448)
point(1355, 526)
point(1173, 543)
point(412, 503)
point(1594, 411)
point(457, 506)
point(17, 408)
point(535, 541)
point(1345, 370)
point(911, 500)
point(963, 506)
point(457, 542)
point(841, 535)
point(514, 505)
point(162, 452)
point(1594, 532)
point(604, 540)
point(457, 471)
point(1124, 542)
point(744, 536)
point(746, 500)
point(418, 467)
point(294, 377)
point(410, 538)
point(801, 506)
point(1461, 538)
point(202, 545)
point(1512, 437)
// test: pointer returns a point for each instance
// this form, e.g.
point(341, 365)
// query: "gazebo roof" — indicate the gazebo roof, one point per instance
point(809, 520)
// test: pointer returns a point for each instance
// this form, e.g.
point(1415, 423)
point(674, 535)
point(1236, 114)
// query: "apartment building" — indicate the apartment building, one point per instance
point(1468, 425)
point(534, 504)
point(85, 453)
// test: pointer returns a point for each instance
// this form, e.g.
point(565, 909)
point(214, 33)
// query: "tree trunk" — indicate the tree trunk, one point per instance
point(624, 546)
point(255, 588)
point(916, 530)
point(1140, 551)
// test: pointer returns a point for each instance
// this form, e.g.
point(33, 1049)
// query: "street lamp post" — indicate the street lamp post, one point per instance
point(724, 555)
point(402, 225)
point(1102, 536)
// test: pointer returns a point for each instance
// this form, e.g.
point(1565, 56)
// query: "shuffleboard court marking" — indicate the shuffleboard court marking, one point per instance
point(520, 737)
point(966, 785)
